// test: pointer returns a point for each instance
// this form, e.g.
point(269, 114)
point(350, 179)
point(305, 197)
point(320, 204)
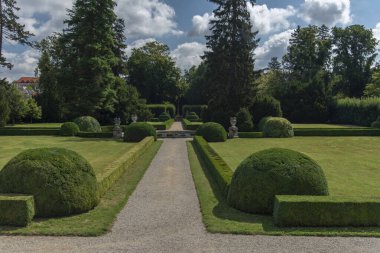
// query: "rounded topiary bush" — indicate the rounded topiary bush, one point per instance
point(69, 129)
point(262, 123)
point(62, 182)
point(278, 128)
point(212, 132)
point(136, 132)
point(376, 124)
point(274, 172)
point(164, 117)
point(88, 124)
point(193, 117)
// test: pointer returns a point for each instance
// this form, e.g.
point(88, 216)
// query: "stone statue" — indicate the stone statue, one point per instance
point(117, 131)
point(233, 130)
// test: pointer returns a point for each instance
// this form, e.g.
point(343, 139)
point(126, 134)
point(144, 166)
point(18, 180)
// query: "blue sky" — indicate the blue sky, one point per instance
point(183, 24)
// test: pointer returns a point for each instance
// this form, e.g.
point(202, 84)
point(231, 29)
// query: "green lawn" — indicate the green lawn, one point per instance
point(351, 164)
point(218, 217)
point(99, 152)
point(37, 125)
point(334, 126)
point(99, 220)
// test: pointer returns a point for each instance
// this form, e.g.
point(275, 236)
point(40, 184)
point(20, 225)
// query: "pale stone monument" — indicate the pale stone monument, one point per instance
point(117, 131)
point(233, 130)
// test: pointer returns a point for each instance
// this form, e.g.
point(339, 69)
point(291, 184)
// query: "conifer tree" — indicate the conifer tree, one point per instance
point(229, 57)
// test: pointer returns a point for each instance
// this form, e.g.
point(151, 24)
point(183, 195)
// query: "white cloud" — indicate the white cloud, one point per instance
point(24, 64)
point(376, 31)
point(328, 12)
point(137, 44)
point(275, 46)
point(201, 24)
point(268, 20)
point(188, 54)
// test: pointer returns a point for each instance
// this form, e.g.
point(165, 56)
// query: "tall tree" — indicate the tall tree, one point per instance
point(355, 53)
point(373, 88)
point(90, 59)
point(10, 28)
point(4, 105)
point(197, 80)
point(153, 72)
point(230, 56)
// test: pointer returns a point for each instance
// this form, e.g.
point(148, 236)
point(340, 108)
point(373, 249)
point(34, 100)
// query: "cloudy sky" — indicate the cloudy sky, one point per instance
point(183, 24)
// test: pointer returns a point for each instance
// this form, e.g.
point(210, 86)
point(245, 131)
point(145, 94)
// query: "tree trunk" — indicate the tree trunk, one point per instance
point(1, 28)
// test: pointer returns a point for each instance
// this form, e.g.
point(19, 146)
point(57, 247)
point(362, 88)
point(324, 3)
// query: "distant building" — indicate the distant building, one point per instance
point(28, 85)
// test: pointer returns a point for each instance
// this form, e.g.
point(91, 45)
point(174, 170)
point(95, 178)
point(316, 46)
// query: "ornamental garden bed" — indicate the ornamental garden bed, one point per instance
point(118, 168)
point(351, 166)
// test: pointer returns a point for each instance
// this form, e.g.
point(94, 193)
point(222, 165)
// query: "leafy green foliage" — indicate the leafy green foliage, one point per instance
point(221, 117)
point(164, 117)
point(196, 93)
point(373, 88)
point(188, 125)
point(244, 120)
point(212, 132)
point(376, 124)
point(316, 211)
point(62, 182)
point(11, 29)
point(278, 128)
point(153, 72)
point(16, 210)
point(229, 58)
point(355, 53)
point(193, 117)
point(356, 111)
point(265, 106)
point(4, 106)
point(272, 172)
point(136, 132)
point(157, 109)
point(88, 124)
point(69, 129)
point(198, 109)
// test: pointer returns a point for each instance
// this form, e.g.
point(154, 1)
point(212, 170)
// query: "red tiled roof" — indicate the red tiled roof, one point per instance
point(28, 80)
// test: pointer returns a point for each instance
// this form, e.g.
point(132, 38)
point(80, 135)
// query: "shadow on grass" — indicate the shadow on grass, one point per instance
point(224, 212)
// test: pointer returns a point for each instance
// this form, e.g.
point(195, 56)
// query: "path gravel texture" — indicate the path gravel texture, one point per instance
point(177, 126)
point(163, 215)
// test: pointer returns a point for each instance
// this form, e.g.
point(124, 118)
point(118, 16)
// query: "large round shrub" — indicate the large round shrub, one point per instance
point(212, 132)
point(265, 106)
point(62, 182)
point(244, 120)
point(278, 128)
point(164, 117)
point(274, 172)
point(69, 129)
point(88, 124)
point(262, 123)
point(136, 132)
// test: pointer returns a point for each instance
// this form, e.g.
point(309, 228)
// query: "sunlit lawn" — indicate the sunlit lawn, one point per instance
point(324, 126)
point(351, 164)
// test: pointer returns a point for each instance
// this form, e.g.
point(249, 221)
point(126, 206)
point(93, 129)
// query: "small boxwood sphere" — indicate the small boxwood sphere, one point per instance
point(88, 124)
point(69, 129)
point(274, 172)
point(136, 132)
point(278, 128)
point(212, 132)
point(164, 117)
point(62, 182)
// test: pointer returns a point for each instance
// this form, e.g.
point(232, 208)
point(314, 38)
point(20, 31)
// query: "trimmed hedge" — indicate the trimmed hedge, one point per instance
point(337, 132)
point(164, 117)
point(95, 135)
point(376, 124)
point(218, 168)
point(318, 211)
point(198, 109)
point(272, 172)
point(28, 132)
point(114, 170)
point(193, 117)
point(136, 132)
point(162, 125)
point(212, 132)
point(16, 210)
point(251, 135)
point(278, 128)
point(69, 129)
point(192, 126)
point(244, 120)
point(262, 123)
point(357, 111)
point(158, 109)
point(62, 182)
point(88, 124)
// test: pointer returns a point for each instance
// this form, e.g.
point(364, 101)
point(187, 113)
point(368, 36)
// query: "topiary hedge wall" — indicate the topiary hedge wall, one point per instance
point(88, 124)
point(136, 132)
point(212, 132)
point(158, 109)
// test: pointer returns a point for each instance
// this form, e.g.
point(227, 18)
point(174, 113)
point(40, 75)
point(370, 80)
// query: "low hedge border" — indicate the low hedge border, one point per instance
point(16, 210)
point(337, 132)
point(192, 126)
point(218, 168)
point(246, 135)
point(113, 171)
point(106, 135)
point(162, 125)
point(320, 211)
point(29, 132)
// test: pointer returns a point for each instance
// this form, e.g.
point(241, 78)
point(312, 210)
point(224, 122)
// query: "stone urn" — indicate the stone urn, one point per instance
point(117, 131)
point(233, 130)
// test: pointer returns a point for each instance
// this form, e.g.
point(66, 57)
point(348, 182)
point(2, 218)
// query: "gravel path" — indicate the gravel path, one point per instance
point(163, 215)
point(177, 126)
